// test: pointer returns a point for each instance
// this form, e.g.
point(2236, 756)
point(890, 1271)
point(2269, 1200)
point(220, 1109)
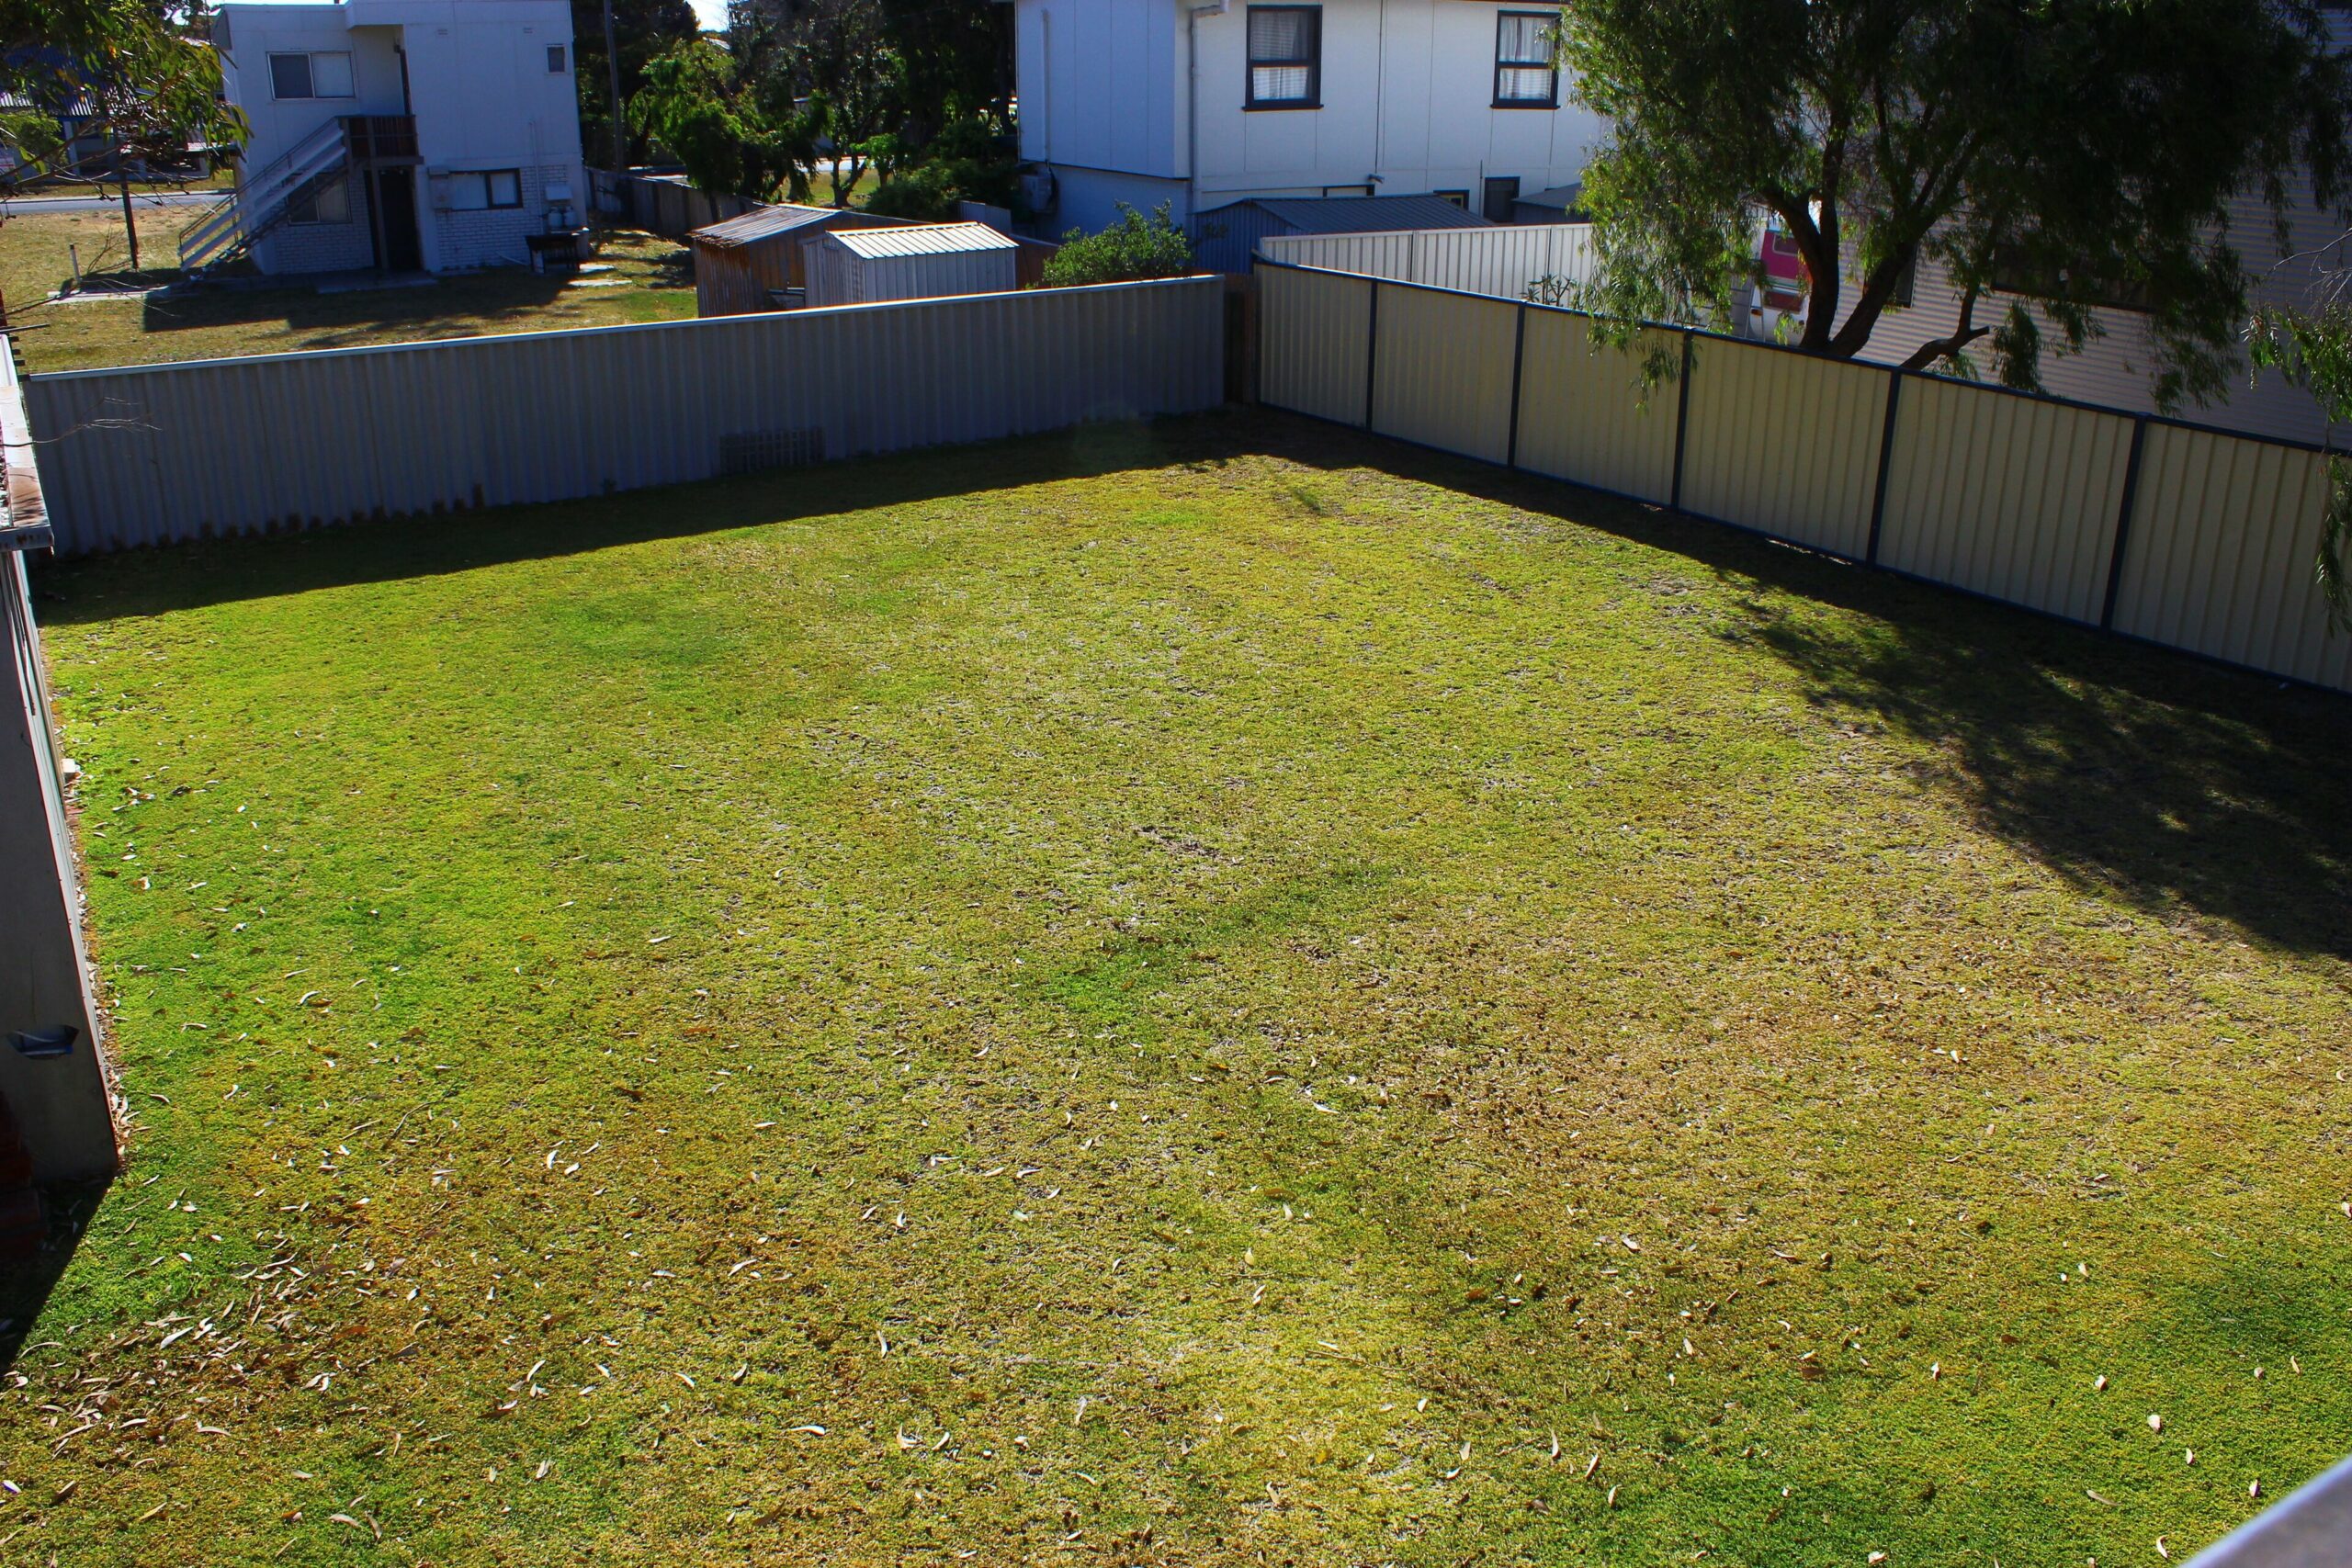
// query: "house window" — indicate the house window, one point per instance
point(1285, 57)
point(555, 59)
point(2021, 269)
point(472, 190)
point(1460, 198)
point(326, 203)
point(325, 74)
point(1526, 73)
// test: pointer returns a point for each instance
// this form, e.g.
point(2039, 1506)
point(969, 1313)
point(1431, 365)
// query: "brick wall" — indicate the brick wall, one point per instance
point(324, 247)
point(494, 236)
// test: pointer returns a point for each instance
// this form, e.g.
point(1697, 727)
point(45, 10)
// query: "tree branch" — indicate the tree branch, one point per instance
point(1927, 353)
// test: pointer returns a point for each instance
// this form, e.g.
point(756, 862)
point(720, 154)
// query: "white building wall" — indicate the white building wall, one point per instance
point(1108, 89)
point(479, 86)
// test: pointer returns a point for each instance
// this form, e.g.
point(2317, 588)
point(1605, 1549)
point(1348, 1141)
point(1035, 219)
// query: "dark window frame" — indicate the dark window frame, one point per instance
point(1311, 61)
point(310, 94)
point(1552, 63)
point(558, 59)
point(1460, 198)
point(2013, 272)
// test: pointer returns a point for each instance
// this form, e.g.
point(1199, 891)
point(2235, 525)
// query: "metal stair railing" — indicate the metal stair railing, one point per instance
point(259, 203)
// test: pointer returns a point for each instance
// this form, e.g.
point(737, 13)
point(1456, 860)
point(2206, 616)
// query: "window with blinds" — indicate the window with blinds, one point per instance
point(1285, 57)
point(1525, 74)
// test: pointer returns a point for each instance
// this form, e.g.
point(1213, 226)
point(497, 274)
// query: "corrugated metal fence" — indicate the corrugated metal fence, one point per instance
point(168, 451)
point(661, 204)
point(2194, 538)
point(1503, 262)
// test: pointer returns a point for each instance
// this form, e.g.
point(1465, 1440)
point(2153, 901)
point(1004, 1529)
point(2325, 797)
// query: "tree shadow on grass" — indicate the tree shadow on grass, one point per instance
point(2174, 784)
point(2163, 779)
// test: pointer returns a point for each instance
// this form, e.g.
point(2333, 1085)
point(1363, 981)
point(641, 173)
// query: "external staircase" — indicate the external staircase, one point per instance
point(264, 199)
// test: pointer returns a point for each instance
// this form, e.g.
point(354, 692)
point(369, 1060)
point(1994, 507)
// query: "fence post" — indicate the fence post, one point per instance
point(1681, 422)
point(1885, 464)
point(1372, 352)
point(1518, 367)
point(2124, 524)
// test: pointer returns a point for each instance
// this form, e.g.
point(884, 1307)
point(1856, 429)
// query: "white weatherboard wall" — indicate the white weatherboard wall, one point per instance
point(1109, 90)
point(160, 453)
point(2019, 499)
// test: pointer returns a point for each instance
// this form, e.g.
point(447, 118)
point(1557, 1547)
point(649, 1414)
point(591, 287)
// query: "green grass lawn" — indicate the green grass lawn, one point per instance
point(651, 281)
point(1216, 994)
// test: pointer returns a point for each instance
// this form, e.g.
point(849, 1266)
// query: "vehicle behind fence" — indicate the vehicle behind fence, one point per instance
point(2191, 537)
point(159, 453)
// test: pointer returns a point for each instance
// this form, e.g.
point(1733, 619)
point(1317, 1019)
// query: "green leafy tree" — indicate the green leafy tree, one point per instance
point(150, 82)
point(1135, 247)
point(2092, 146)
point(732, 134)
point(642, 30)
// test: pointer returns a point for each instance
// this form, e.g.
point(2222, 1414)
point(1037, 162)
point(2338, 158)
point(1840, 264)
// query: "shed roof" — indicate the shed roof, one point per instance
point(1359, 214)
point(761, 223)
point(922, 239)
point(1562, 198)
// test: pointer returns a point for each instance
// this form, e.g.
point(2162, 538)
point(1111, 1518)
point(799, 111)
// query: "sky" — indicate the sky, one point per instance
point(712, 12)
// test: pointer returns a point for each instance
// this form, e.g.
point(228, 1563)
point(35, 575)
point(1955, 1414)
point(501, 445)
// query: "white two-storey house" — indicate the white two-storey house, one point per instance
point(1202, 105)
point(406, 135)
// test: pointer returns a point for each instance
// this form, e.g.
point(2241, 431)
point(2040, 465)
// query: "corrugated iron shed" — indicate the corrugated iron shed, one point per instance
point(763, 223)
point(925, 239)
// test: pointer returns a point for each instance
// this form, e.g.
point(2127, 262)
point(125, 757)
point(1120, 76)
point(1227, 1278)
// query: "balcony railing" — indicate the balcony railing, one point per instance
point(381, 138)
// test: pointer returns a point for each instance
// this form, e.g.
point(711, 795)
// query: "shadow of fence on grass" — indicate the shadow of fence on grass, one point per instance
point(26, 1282)
point(2173, 784)
point(2150, 775)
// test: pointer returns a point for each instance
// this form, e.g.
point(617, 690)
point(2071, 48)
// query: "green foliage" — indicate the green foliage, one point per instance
point(1134, 247)
point(965, 162)
point(727, 134)
point(2095, 144)
point(152, 87)
point(641, 29)
point(2311, 346)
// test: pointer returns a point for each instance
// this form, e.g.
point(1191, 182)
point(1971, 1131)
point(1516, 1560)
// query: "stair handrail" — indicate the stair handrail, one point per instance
point(267, 189)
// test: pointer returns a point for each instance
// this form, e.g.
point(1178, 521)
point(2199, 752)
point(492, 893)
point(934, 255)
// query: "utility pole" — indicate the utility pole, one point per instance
point(130, 224)
point(613, 80)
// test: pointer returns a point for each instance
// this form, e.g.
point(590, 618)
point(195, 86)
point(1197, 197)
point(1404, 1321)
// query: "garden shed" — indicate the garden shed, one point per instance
point(757, 261)
point(918, 262)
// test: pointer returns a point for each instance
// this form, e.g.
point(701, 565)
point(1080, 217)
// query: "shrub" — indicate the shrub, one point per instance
point(1135, 246)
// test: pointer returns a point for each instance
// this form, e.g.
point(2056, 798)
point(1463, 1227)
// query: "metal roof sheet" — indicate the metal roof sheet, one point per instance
point(922, 239)
point(1361, 214)
point(763, 223)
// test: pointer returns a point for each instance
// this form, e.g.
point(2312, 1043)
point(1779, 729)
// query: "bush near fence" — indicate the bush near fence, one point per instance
point(153, 454)
point(2191, 537)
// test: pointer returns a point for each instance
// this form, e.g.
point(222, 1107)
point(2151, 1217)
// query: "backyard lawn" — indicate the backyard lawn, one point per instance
point(651, 279)
point(1213, 994)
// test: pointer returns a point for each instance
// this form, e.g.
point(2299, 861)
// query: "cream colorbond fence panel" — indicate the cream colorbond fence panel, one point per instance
point(2006, 496)
point(2224, 532)
point(1314, 343)
point(1444, 368)
point(159, 453)
point(1581, 415)
point(1784, 442)
point(1500, 262)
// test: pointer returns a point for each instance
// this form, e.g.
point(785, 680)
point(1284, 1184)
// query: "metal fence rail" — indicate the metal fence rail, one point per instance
point(168, 452)
point(2176, 533)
